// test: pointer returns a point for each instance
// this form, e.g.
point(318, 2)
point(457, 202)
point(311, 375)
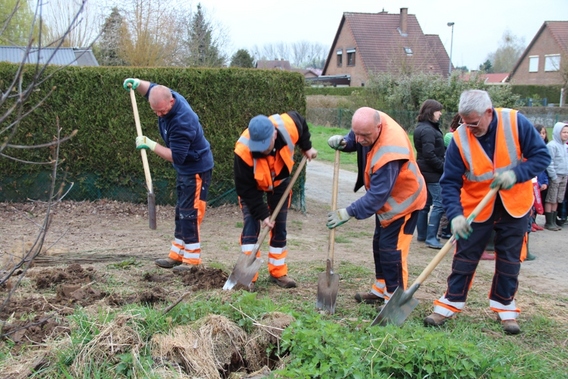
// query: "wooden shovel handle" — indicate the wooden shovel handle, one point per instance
point(283, 199)
point(139, 132)
point(334, 191)
point(448, 245)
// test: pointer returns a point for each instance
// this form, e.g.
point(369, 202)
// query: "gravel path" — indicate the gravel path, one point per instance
point(549, 269)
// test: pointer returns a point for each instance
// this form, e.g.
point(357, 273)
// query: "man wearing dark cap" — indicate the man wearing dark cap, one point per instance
point(264, 157)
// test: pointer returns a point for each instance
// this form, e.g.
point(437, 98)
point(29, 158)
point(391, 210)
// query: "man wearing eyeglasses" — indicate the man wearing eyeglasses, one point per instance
point(492, 148)
point(395, 194)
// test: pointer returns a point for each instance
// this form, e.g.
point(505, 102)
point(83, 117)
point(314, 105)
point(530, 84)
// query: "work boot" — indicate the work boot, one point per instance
point(182, 268)
point(435, 319)
point(167, 263)
point(510, 326)
point(284, 281)
point(368, 298)
point(550, 222)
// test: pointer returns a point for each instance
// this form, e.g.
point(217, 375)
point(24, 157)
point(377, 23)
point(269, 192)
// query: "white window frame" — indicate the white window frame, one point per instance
point(552, 62)
point(533, 63)
point(408, 51)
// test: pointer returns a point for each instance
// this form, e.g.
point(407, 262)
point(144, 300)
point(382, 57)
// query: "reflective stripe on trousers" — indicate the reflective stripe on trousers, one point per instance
point(510, 237)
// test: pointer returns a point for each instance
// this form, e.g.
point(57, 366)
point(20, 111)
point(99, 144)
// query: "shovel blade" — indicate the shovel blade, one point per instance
point(244, 271)
point(152, 210)
point(328, 285)
point(400, 305)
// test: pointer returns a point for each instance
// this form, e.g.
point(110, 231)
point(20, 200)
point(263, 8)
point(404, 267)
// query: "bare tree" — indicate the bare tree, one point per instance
point(509, 51)
point(15, 104)
point(153, 33)
point(59, 14)
point(302, 54)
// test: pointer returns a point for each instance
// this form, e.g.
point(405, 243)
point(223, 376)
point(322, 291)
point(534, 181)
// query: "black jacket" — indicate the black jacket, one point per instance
point(430, 150)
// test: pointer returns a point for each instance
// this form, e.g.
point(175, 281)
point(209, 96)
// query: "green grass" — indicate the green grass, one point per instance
point(319, 137)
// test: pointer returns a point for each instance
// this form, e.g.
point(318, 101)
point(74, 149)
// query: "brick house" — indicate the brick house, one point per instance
point(382, 42)
point(545, 60)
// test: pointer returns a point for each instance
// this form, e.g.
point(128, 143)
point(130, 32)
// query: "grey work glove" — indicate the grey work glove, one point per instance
point(505, 180)
point(461, 227)
point(131, 82)
point(336, 142)
point(337, 217)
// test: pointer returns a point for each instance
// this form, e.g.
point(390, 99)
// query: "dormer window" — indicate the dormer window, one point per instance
point(408, 51)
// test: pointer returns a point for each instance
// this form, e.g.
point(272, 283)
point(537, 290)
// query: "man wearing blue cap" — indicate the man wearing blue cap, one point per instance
point(264, 157)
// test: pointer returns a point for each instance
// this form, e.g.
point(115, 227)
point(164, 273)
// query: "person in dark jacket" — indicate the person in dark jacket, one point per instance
point(190, 153)
point(263, 161)
point(430, 151)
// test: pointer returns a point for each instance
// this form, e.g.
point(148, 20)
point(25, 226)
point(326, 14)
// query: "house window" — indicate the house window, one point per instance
point(533, 63)
point(339, 57)
point(408, 51)
point(552, 62)
point(350, 57)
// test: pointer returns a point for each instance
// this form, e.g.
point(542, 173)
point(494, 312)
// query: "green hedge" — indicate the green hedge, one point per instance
point(102, 160)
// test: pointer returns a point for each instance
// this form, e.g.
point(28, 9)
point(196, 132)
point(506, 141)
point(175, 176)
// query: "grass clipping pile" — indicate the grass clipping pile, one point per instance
point(214, 346)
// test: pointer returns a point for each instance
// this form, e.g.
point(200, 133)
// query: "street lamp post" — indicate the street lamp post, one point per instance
point(451, 47)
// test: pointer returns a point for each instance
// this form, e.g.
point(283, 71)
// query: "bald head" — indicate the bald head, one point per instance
point(366, 125)
point(161, 100)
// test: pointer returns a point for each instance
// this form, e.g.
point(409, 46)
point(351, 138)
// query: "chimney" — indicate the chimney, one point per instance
point(403, 21)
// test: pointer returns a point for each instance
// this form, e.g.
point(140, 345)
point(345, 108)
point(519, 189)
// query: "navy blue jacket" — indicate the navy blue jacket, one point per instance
point(183, 135)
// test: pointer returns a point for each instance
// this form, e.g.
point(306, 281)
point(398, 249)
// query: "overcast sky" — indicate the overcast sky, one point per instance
point(478, 29)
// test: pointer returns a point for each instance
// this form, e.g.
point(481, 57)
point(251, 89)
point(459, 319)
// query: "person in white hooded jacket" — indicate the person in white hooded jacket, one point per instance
point(557, 173)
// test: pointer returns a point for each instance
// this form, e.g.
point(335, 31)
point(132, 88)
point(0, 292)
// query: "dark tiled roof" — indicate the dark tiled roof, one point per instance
point(559, 31)
point(381, 45)
point(61, 56)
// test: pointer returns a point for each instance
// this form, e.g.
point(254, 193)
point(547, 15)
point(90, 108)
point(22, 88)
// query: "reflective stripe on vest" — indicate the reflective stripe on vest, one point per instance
point(480, 168)
point(509, 142)
point(409, 191)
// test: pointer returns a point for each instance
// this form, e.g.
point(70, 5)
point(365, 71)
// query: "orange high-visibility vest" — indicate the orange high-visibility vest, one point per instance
point(409, 191)
point(480, 169)
point(267, 168)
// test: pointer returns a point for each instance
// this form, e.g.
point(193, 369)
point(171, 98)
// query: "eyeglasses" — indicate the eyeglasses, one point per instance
point(471, 124)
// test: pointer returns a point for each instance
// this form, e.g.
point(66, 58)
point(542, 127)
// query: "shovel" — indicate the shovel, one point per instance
point(151, 196)
point(328, 281)
point(401, 304)
point(247, 265)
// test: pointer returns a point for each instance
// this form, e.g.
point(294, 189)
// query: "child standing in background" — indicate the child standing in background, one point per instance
point(557, 174)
